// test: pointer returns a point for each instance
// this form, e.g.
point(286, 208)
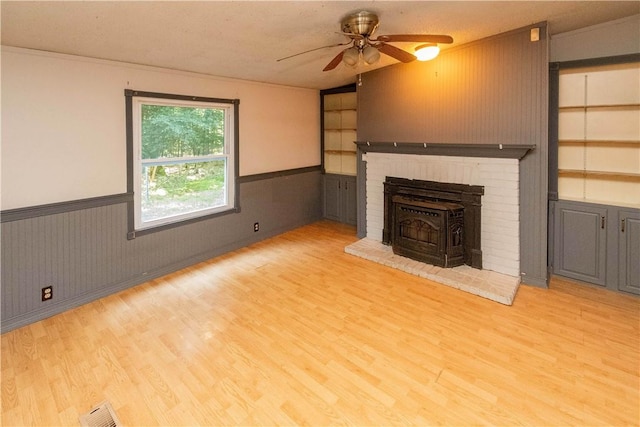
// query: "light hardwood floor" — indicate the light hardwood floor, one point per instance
point(294, 331)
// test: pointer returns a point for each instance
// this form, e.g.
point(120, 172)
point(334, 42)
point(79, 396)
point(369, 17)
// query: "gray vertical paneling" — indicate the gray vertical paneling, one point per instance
point(481, 93)
point(85, 254)
point(493, 91)
point(534, 175)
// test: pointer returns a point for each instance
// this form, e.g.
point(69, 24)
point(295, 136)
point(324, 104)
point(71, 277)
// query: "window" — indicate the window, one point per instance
point(182, 162)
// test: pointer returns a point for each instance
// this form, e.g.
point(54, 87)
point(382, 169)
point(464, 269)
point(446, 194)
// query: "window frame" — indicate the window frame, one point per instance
point(133, 101)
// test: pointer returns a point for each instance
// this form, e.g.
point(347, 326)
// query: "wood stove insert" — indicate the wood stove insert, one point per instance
point(433, 222)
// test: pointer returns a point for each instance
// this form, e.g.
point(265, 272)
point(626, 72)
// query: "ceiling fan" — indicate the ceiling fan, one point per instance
point(359, 28)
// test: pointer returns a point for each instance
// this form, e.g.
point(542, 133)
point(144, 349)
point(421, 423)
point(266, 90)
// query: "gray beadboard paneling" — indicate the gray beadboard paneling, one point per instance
point(85, 253)
point(485, 92)
point(534, 177)
point(493, 91)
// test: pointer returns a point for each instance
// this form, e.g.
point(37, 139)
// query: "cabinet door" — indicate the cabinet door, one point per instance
point(580, 243)
point(332, 197)
point(629, 252)
point(349, 199)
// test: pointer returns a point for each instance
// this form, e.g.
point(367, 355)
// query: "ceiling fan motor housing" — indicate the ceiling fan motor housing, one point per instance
point(362, 23)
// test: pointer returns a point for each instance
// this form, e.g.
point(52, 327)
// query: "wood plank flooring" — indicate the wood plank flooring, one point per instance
point(294, 331)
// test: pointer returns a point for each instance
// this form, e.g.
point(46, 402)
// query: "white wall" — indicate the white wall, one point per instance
point(619, 37)
point(63, 124)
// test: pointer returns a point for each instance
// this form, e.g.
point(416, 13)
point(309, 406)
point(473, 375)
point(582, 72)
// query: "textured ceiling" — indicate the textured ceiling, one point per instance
point(243, 39)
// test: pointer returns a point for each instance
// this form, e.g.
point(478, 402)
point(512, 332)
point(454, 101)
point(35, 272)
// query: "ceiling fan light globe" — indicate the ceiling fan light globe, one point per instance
point(351, 56)
point(427, 52)
point(370, 54)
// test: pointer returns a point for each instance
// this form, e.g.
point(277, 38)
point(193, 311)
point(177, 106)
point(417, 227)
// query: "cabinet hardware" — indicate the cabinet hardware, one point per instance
point(622, 227)
point(602, 223)
point(346, 185)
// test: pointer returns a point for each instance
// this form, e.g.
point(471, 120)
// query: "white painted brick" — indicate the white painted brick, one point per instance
point(500, 230)
point(492, 208)
point(500, 205)
point(501, 240)
point(490, 198)
point(507, 250)
point(501, 175)
point(499, 183)
point(507, 213)
point(488, 161)
point(510, 270)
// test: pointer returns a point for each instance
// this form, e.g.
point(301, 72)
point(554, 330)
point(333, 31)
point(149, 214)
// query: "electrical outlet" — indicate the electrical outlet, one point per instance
point(256, 226)
point(47, 293)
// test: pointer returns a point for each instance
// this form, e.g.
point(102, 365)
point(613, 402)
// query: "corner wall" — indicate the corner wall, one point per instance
point(493, 91)
point(84, 254)
point(63, 124)
point(64, 215)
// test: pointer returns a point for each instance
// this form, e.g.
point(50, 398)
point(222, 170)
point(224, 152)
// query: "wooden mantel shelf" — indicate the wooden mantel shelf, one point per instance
point(501, 151)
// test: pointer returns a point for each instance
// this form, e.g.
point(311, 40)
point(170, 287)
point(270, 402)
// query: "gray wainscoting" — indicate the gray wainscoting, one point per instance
point(84, 254)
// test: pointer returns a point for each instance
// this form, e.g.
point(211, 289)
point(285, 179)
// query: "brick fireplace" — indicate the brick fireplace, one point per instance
point(500, 215)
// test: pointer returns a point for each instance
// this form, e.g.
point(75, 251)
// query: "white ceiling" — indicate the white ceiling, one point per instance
point(243, 39)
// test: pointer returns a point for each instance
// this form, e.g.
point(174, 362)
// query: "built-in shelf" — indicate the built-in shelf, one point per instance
point(598, 175)
point(583, 107)
point(579, 173)
point(339, 122)
point(602, 142)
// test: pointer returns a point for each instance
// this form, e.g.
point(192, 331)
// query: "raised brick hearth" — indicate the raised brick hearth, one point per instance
point(484, 283)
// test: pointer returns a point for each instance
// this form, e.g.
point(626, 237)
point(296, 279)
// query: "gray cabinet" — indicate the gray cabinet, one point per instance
point(629, 252)
point(340, 198)
point(580, 243)
point(598, 244)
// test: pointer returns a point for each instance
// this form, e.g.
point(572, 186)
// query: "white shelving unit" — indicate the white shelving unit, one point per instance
point(339, 130)
point(599, 135)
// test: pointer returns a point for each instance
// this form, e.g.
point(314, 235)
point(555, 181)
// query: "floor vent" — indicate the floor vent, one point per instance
point(100, 416)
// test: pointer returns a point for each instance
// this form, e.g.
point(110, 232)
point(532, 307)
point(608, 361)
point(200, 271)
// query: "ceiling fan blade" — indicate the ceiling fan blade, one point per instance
point(334, 62)
point(311, 50)
point(426, 38)
point(396, 53)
